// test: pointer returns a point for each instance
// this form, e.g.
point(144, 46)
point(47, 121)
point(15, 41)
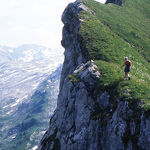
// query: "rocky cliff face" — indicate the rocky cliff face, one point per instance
point(83, 121)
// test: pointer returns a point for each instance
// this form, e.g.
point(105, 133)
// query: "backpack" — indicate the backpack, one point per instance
point(128, 63)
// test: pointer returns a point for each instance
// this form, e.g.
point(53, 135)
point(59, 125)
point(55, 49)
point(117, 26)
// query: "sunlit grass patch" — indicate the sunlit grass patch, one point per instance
point(127, 22)
point(112, 33)
point(112, 80)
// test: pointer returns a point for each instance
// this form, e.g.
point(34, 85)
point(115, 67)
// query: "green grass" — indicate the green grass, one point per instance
point(111, 34)
point(131, 23)
point(73, 78)
point(112, 80)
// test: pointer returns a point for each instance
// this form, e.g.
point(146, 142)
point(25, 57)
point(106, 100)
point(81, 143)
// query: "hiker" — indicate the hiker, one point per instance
point(127, 68)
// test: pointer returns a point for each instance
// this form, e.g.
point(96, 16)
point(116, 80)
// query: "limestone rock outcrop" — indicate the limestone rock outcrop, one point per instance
point(117, 2)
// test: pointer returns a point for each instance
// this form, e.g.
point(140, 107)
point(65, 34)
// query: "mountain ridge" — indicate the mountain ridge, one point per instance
point(96, 107)
point(26, 53)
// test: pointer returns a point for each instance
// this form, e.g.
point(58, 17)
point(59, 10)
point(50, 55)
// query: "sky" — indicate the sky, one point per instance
point(32, 22)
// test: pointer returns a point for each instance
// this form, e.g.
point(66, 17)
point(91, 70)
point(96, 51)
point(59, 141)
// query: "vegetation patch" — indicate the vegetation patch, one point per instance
point(74, 78)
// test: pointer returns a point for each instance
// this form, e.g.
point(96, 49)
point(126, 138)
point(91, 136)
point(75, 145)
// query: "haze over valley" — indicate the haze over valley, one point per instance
point(29, 81)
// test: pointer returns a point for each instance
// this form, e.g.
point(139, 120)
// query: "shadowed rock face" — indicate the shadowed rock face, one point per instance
point(117, 2)
point(75, 52)
point(83, 121)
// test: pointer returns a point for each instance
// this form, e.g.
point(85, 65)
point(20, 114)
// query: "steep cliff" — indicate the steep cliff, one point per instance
point(96, 108)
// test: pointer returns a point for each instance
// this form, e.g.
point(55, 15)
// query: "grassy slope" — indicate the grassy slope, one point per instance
point(111, 34)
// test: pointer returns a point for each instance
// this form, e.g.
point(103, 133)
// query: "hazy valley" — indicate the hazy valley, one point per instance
point(29, 81)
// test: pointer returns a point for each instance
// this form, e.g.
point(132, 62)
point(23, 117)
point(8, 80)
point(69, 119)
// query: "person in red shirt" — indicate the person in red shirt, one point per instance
point(127, 63)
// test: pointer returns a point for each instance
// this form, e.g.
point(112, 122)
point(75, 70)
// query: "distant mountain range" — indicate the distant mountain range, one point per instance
point(27, 53)
point(29, 79)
